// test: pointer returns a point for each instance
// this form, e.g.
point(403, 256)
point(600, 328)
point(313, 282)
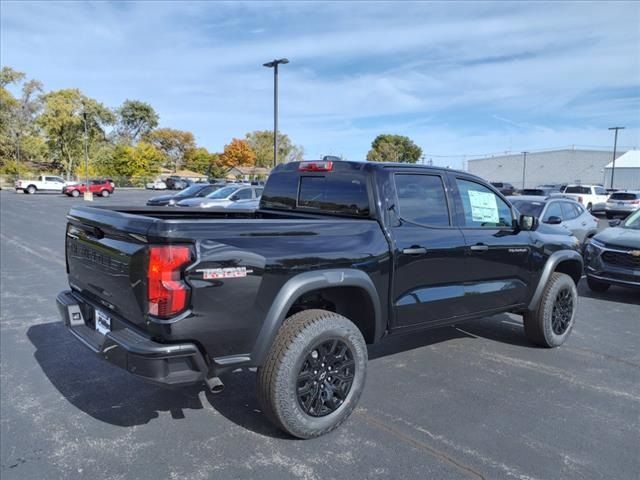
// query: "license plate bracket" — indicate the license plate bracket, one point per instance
point(103, 322)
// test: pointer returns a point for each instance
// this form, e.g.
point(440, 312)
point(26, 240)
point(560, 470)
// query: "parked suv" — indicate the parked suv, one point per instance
point(622, 203)
point(613, 256)
point(104, 188)
point(338, 256)
point(559, 211)
point(504, 188)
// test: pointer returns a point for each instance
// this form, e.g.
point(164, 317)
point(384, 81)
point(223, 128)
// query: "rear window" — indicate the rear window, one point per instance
point(528, 208)
point(623, 196)
point(338, 193)
point(578, 189)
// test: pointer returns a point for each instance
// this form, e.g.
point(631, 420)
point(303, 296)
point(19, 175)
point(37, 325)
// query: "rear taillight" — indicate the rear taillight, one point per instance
point(315, 166)
point(166, 291)
point(579, 199)
point(635, 202)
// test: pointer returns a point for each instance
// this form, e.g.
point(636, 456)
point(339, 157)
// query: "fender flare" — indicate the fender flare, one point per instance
point(549, 267)
point(306, 282)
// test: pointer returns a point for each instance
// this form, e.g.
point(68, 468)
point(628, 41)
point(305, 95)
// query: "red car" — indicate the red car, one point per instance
point(103, 188)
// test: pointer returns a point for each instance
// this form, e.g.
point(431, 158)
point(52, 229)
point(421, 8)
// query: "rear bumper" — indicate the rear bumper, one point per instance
point(167, 364)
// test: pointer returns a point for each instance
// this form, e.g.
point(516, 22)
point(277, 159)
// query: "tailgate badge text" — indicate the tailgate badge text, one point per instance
point(231, 272)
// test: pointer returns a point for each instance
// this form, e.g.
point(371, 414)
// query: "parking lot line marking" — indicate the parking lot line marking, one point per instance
point(469, 471)
point(22, 246)
point(466, 333)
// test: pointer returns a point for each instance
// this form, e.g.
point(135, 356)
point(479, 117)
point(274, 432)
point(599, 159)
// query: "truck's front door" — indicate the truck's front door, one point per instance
point(428, 250)
point(498, 253)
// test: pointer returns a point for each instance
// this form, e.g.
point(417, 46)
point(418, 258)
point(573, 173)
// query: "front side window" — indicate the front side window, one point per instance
point(553, 210)
point(482, 207)
point(570, 210)
point(244, 194)
point(422, 199)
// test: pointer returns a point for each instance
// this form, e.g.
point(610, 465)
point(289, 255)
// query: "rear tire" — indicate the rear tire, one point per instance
point(551, 323)
point(590, 208)
point(597, 285)
point(31, 189)
point(299, 387)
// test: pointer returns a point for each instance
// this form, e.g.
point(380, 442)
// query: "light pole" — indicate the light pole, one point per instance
point(615, 145)
point(87, 192)
point(524, 167)
point(274, 64)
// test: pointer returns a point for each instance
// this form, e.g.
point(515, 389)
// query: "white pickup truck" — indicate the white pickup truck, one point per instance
point(44, 183)
point(592, 197)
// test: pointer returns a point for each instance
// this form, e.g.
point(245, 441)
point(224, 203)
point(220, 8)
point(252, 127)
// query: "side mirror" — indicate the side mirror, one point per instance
point(527, 222)
point(615, 222)
point(553, 220)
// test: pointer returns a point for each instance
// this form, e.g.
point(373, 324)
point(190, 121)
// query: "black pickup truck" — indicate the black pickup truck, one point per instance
point(338, 256)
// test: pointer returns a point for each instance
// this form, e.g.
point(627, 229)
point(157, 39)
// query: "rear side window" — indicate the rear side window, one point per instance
point(623, 196)
point(258, 192)
point(482, 207)
point(422, 199)
point(338, 194)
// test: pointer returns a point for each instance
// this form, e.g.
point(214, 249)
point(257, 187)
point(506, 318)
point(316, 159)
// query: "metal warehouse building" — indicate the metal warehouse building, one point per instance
point(553, 166)
point(627, 173)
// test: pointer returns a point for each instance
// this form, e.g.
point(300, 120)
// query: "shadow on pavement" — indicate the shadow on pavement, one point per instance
point(111, 395)
point(614, 294)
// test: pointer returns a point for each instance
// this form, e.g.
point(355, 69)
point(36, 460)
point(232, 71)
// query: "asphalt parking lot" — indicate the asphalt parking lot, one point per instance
point(471, 401)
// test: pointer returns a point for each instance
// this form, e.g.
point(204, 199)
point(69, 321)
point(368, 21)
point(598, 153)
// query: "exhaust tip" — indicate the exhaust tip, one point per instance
point(214, 384)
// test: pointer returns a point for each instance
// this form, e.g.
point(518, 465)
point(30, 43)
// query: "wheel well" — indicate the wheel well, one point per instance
point(32, 185)
point(572, 268)
point(351, 302)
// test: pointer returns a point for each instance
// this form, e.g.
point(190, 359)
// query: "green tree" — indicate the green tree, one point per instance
point(394, 148)
point(202, 161)
point(135, 120)
point(173, 143)
point(261, 142)
point(63, 124)
point(140, 160)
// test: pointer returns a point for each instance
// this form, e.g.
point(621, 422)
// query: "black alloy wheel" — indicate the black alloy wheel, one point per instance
point(325, 379)
point(562, 312)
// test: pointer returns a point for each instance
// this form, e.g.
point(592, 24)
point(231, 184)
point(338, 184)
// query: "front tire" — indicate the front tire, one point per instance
point(314, 373)
point(75, 193)
point(31, 190)
point(104, 193)
point(552, 321)
point(597, 285)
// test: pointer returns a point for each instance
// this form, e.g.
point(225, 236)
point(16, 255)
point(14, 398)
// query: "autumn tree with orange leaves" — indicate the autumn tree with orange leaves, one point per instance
point(238, 153)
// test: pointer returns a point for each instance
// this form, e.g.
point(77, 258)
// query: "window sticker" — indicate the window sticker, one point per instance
point(484, 208)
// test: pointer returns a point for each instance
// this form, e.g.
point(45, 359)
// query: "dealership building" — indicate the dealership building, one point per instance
point(545, 167)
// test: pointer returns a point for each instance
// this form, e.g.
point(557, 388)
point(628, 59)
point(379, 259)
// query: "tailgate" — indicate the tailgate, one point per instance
point(106, 254)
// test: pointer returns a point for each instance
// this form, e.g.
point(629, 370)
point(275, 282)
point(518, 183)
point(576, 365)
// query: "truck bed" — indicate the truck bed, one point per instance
point(107, 255)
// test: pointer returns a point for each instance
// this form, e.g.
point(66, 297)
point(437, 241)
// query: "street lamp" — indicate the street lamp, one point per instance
point(524, 167)
point(87, 192)
point(615, 145)
point(274, 64)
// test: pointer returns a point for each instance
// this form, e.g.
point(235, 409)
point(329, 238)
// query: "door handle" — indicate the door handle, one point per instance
point(479, 248)
point(414, 251)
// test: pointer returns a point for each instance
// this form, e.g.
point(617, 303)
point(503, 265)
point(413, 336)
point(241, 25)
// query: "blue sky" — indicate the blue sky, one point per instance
point(458, 78)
